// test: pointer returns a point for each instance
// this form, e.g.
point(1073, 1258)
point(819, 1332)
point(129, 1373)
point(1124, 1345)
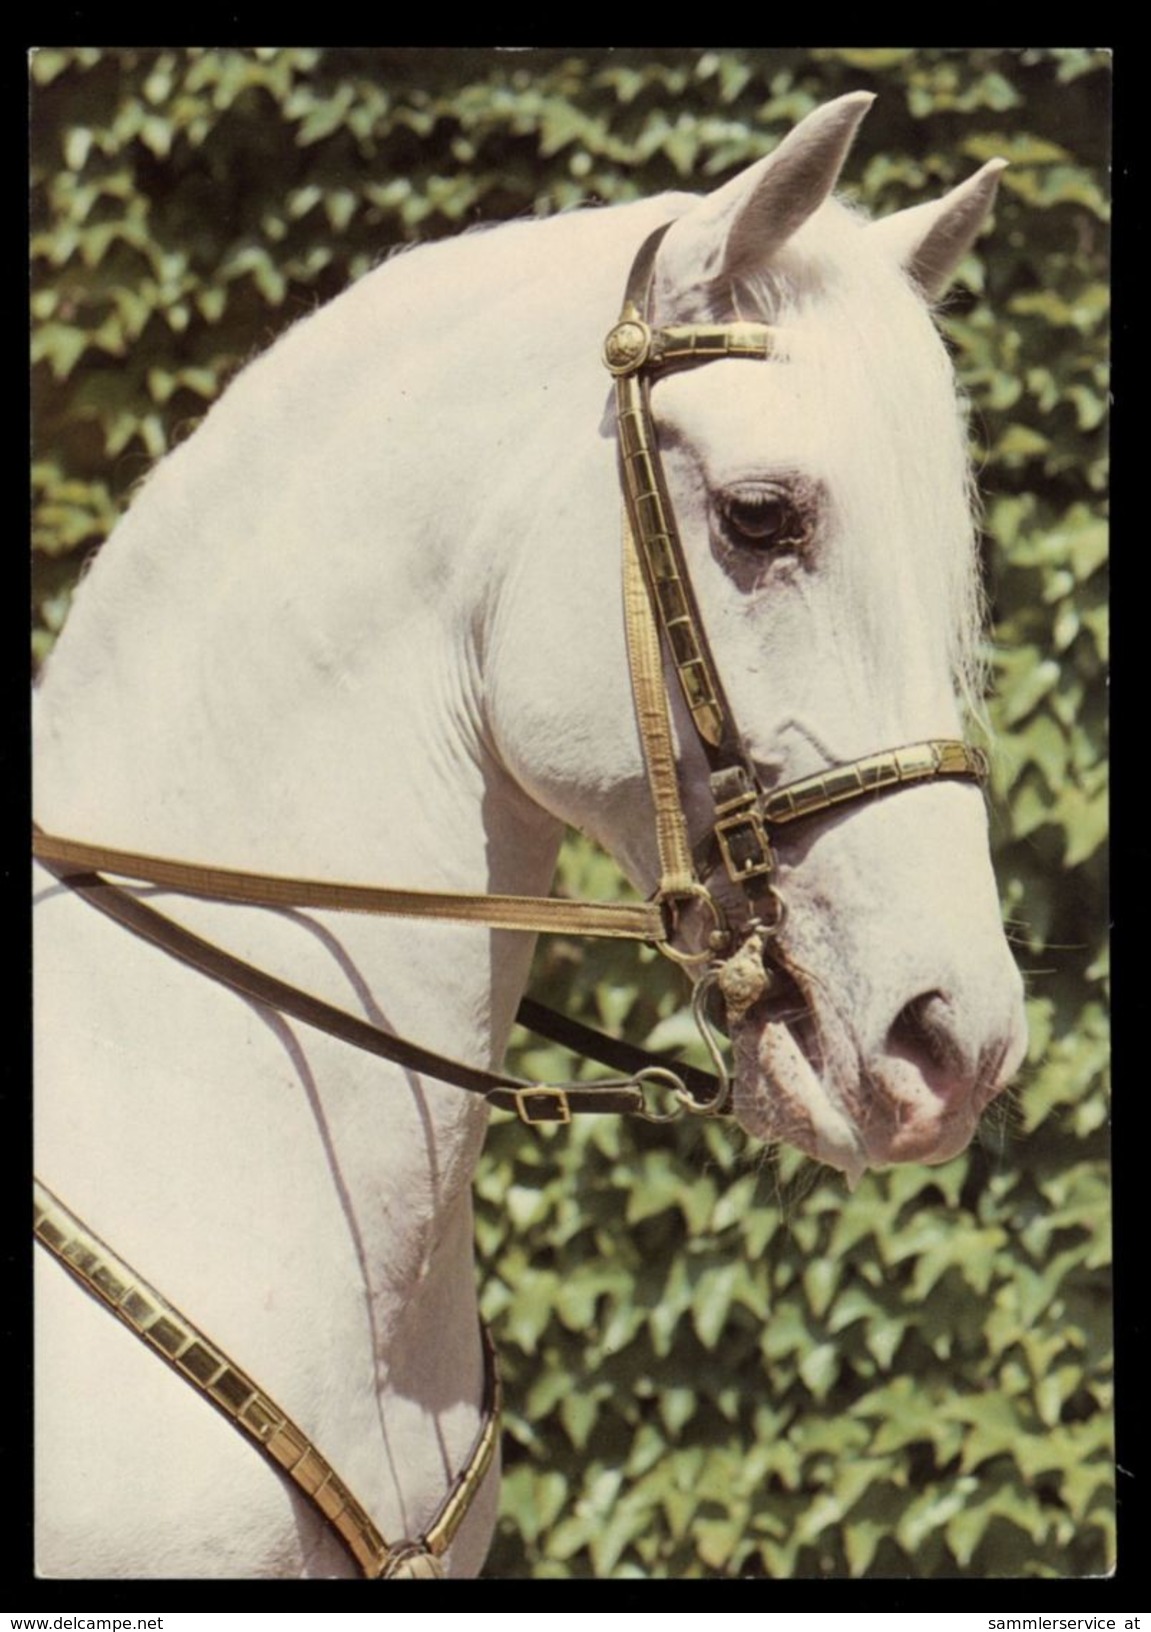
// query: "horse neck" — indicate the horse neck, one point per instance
point(309, 695)
point(291, 619)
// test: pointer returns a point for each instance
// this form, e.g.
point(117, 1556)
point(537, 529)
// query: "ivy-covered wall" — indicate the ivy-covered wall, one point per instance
point(717, 1361)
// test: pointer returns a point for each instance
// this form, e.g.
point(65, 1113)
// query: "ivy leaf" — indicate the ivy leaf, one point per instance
point(1085, 818)
point(578, 1412)
point(712, 1300)
point(991, 1428)
point(819, 1368)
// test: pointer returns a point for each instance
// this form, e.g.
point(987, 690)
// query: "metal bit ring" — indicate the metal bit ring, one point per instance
point(720, 931)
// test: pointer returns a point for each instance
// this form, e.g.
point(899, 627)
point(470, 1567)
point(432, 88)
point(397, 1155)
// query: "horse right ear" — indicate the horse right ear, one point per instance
point(930, 240)
point(739, 228)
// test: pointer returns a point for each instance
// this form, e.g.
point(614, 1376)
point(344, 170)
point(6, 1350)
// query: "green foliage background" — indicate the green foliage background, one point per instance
point(717, 1361)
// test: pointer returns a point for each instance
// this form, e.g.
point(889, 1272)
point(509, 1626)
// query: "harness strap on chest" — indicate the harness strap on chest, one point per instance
point(225, 1385)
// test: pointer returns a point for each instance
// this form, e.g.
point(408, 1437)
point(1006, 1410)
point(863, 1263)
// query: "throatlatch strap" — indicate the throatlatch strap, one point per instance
point(215, 1376)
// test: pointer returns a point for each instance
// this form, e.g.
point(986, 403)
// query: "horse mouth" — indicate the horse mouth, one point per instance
point(782, 1092)
point(802, 1083)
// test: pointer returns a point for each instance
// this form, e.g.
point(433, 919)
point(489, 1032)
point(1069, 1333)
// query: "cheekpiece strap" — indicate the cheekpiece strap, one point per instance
point(633, 352)
point(745, 814)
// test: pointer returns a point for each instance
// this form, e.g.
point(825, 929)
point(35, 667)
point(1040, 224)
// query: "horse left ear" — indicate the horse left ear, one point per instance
point(739, 228)
point(930, 240)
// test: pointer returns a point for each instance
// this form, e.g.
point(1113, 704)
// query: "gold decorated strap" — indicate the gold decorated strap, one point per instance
point(920, 762)
point(632, 352)
point(633, 345)
point(645, 661)
point(233, 1392)
point(547, 915)
point(654, 531)
point(707, 342)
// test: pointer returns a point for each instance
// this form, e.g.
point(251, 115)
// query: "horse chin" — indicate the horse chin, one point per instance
point(786, 1093)
point(779, 1096)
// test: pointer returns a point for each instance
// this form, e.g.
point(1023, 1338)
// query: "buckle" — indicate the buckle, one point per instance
point(556, 1097)
point(744, 843)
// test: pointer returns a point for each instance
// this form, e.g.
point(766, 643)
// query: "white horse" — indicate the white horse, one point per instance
point(366, 625)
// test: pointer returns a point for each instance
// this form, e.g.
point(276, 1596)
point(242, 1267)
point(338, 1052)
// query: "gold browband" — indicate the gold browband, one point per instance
point(633, 344)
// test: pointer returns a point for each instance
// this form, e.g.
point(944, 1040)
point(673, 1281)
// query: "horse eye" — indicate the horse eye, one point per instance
point(761, 518)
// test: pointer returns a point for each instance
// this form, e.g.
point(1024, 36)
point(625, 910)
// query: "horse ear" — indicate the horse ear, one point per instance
point(930, 240)
point(738, 228)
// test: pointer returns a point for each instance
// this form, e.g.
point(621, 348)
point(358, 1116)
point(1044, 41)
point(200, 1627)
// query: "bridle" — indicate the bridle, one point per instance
point(662, 617)
point(663, 624)
point(745, 813)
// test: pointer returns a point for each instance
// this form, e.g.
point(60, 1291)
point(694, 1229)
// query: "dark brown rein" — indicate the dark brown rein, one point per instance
point(533, 1102)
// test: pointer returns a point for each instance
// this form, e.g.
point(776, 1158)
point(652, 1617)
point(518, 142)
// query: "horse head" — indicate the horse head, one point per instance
point(823, 506)
point(823, 499)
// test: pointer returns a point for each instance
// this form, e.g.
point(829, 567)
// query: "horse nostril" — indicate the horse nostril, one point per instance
point(924, 1032)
